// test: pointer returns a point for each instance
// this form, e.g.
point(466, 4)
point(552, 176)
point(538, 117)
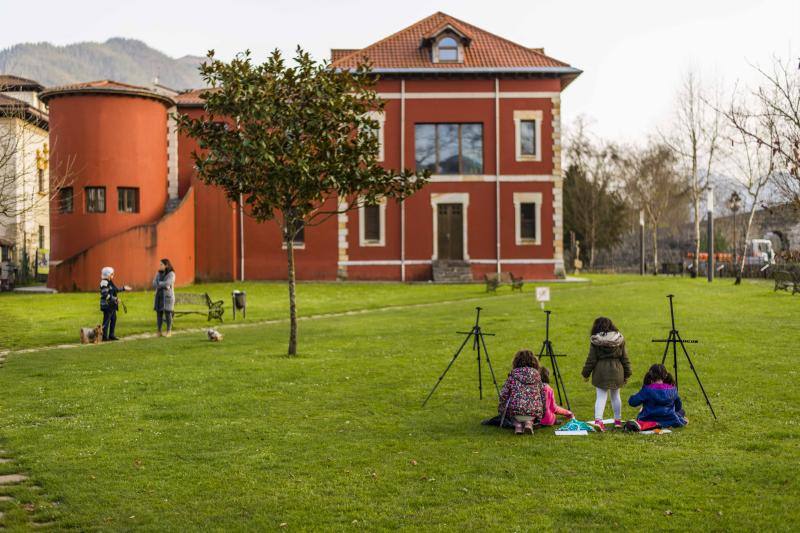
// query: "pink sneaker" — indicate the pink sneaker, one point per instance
point(617, 423)
point(599, 425)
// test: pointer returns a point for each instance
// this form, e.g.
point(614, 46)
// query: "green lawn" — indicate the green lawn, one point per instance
point(182, 434)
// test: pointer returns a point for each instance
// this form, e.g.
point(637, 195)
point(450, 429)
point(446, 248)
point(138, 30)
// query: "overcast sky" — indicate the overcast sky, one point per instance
point(633, 52)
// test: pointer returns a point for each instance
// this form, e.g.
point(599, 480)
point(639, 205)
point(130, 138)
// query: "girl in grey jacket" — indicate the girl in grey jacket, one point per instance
point(164, 305)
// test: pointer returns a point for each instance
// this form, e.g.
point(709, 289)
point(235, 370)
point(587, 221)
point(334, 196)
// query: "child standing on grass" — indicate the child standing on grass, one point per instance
point(661, 405)
point(522, 398)
point(609, 366)
point(551, 408)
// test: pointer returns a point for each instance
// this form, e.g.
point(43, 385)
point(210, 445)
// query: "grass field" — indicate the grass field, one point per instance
point(182, 434)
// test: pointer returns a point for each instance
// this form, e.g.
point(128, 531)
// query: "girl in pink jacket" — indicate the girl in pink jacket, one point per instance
point(551, 409)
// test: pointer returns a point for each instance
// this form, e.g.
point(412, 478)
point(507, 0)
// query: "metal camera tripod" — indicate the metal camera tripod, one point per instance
point(674, 339)
point(547, 351)
point(478, 343)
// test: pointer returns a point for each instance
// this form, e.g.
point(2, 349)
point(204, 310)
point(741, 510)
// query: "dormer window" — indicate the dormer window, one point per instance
point(446, 44)
point(448, 50)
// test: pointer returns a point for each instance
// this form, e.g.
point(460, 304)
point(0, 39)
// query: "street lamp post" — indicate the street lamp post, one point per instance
point(641, 242)
point(735, 203)
point(710, 239)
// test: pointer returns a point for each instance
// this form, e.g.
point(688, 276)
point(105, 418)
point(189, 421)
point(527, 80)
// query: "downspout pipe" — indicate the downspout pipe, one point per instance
point(402, 167)
point(497, 167)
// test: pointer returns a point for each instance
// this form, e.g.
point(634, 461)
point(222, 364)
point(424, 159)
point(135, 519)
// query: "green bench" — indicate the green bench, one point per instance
point(202, 305)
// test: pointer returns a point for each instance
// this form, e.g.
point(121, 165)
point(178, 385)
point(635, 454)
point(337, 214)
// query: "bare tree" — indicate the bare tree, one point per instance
point(752, 163)
point(695, 138)
point(771, 117)
point(655, 185)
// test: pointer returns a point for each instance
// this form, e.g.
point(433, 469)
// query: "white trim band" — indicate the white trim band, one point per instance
point(468, 95)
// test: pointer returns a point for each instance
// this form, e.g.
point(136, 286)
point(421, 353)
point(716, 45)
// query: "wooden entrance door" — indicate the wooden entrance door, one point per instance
point(450, 229)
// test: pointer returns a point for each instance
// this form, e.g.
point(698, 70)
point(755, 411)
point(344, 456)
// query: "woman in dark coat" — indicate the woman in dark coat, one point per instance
point(164, 305)
point(610, 368)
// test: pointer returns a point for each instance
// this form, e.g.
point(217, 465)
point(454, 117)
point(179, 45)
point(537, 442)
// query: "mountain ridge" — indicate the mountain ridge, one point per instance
point(118, 58)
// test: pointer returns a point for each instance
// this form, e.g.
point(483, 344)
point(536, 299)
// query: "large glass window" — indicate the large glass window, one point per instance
point(449, 148)
point(128, 200)
point(95, 199)
point(66, 200)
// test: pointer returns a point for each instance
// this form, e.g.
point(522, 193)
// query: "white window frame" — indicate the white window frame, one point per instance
point(536, 116)
point(449, 198)
point(380, 118)
point(526, 198)
point(362, 240)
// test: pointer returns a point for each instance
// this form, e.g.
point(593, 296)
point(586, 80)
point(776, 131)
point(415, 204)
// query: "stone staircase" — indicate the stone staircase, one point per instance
point(450, 271)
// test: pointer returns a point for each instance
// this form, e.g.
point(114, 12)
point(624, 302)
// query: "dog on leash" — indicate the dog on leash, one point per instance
point(92, 335)
point(213, 335)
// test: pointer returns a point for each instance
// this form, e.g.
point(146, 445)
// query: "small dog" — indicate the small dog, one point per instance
point(92, 335)
point(214, 335)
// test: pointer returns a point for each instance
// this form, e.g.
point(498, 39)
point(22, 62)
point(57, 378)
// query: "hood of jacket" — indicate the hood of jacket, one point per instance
point(526, 375)
point(607, 339)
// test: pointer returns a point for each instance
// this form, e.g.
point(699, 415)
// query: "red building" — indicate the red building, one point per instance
point(482, 113)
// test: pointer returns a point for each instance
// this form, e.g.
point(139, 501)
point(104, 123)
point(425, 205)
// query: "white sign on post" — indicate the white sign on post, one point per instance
point(542, 295)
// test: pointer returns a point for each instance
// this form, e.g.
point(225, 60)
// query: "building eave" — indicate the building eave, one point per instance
point(144, 93)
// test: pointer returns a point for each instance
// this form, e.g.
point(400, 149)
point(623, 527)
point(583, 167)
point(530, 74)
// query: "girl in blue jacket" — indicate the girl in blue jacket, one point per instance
point(661, 405)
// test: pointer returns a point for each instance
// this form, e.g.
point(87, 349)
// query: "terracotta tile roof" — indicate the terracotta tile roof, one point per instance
point(191, 98)
point(104, 87)
point(485, 50)
point(338, 53)
point(9, 82)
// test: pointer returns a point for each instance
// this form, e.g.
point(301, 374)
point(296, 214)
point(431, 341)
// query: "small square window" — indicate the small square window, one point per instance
point(95, 199)
point(128, 199)
point(65, 200)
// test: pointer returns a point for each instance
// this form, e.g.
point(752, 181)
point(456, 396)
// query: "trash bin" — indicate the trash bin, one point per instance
point(239, 303)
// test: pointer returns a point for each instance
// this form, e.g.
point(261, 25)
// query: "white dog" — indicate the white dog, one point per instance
point(214, 335)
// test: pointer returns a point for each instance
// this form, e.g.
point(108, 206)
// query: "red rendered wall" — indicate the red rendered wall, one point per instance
point(112, 141)
point(135, 254)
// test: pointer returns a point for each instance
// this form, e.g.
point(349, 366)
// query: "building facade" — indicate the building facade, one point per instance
point(24, 178)
point(478, 111)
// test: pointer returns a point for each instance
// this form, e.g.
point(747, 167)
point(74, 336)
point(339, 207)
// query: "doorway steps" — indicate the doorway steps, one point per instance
point(451, 271)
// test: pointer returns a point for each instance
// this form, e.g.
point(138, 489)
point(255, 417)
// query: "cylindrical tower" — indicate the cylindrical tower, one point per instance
point(109, 147)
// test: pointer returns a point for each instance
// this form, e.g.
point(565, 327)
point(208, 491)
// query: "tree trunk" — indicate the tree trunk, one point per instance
point(696, 258)
point(591, 246)
point(292, 301)
point(746, 238)
point(655, 249)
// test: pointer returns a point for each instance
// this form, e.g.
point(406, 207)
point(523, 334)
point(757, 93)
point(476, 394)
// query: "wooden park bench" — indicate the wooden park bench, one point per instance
point(785, 280)
point(495, 280)
point(203, 305)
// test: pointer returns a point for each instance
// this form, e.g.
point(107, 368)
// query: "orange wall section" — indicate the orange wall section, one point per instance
point(106, 141)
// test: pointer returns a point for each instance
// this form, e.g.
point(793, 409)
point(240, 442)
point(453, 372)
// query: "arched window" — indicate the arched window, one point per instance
point(448, 49)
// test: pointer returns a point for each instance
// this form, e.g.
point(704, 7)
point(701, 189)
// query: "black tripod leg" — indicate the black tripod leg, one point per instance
point(489, 363)
point(453, 360)
point(702, 389)
point(477, 348)
point(666, 349)
point(560, 378)
point(674, 337)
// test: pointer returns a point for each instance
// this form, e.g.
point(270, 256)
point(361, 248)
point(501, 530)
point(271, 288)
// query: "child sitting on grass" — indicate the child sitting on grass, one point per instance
point(551, 408)
point(610, 368)
point(661, 405)
point(521, 398)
